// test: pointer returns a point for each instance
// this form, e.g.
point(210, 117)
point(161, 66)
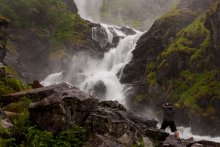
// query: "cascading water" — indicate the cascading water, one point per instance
point(101, 77)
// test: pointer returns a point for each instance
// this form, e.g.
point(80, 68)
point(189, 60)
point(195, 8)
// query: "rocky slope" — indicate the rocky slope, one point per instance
point(51, 116)
point(43, 39)
point(177, 61)
point(57, 108)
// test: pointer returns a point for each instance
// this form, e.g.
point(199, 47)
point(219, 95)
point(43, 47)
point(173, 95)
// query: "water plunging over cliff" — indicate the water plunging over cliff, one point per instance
point(100, 77)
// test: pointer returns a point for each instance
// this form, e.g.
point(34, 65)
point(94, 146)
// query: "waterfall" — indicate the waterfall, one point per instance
point(100, 77)
point(89, 9)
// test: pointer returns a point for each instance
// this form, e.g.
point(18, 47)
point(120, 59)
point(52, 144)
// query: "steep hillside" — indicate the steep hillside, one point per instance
point(177, 60)
point(44, 35)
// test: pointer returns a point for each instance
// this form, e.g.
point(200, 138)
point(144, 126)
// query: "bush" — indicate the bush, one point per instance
point(10, 82)
point(48, 18)
point(73, 137)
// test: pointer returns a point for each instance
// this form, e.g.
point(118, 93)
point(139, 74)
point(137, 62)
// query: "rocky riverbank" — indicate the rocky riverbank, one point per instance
point(107, 123)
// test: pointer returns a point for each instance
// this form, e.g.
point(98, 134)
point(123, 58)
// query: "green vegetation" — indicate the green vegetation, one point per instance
point(10, 82)
point(213, 8)
point(46, 18)
point(73, 137)
point(25, 134)
point(151, 78)
point(191, 41)
point(176, 14)
point(197, 91)
point(4, 19)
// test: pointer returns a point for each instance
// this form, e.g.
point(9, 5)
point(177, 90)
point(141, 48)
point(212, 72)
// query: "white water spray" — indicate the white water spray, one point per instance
point(87, 72)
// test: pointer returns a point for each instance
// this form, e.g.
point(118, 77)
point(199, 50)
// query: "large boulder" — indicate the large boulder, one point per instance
point(108, 122)
point(35, 94)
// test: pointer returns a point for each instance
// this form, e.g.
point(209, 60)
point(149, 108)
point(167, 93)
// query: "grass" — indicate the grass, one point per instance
point(24, 133)
point(197, 91)
point(10, 82)
point(49, 19)
point(191, 41)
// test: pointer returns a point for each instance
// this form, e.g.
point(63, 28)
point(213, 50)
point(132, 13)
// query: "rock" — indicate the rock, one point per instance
point(34, 94)
point(149, 49)
point(199, 6)
point(108, 122)
point(4, 122)
point(213, 25)
point(71, 5)
point(108, 37)
point(205, 143)
point(103, 141)
point(153, 42)
point(36, 84)
point(127, 30)
point(97, 89)
point(100, 35)
point(3, 36)
point(2, 114)
point(2, 69)
point(172, 142)
point(156, 134)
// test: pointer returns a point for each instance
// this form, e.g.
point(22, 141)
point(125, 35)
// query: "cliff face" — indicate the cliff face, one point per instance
point(3, 37)
point(176, 61)
point(44, 35)
point(213, 25)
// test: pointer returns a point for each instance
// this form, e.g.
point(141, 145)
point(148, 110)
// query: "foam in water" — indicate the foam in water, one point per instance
point(186, 133)
point(85, 70)
point(53, 79)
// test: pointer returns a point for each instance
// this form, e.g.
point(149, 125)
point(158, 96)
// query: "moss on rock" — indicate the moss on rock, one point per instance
point(10, 82)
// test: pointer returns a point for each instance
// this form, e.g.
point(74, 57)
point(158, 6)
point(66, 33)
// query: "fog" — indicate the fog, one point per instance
point(139, 14)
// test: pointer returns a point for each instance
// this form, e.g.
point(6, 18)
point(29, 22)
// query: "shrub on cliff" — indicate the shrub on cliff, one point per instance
point(47, 18)
point(10, 82)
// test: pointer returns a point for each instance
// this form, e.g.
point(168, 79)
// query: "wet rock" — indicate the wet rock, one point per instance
point(152, 43)
point(97, 89)
point(103, 141)
point(4, 122)
point(1, 68)
point(71, 5)
point(108, 122)
point(213, 25)
point(3, 36)
point(127, 30)
point(199, 6)
point(172, 142)
point(35, 94)
point(36, 84)
point(156, 134)
point(2, 114)
point(100, 35)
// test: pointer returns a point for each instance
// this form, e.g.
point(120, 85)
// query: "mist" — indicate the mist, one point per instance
point(139, 14)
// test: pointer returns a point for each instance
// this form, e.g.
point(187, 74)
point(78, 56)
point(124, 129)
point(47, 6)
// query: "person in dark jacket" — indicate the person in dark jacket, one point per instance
point(168, 119)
